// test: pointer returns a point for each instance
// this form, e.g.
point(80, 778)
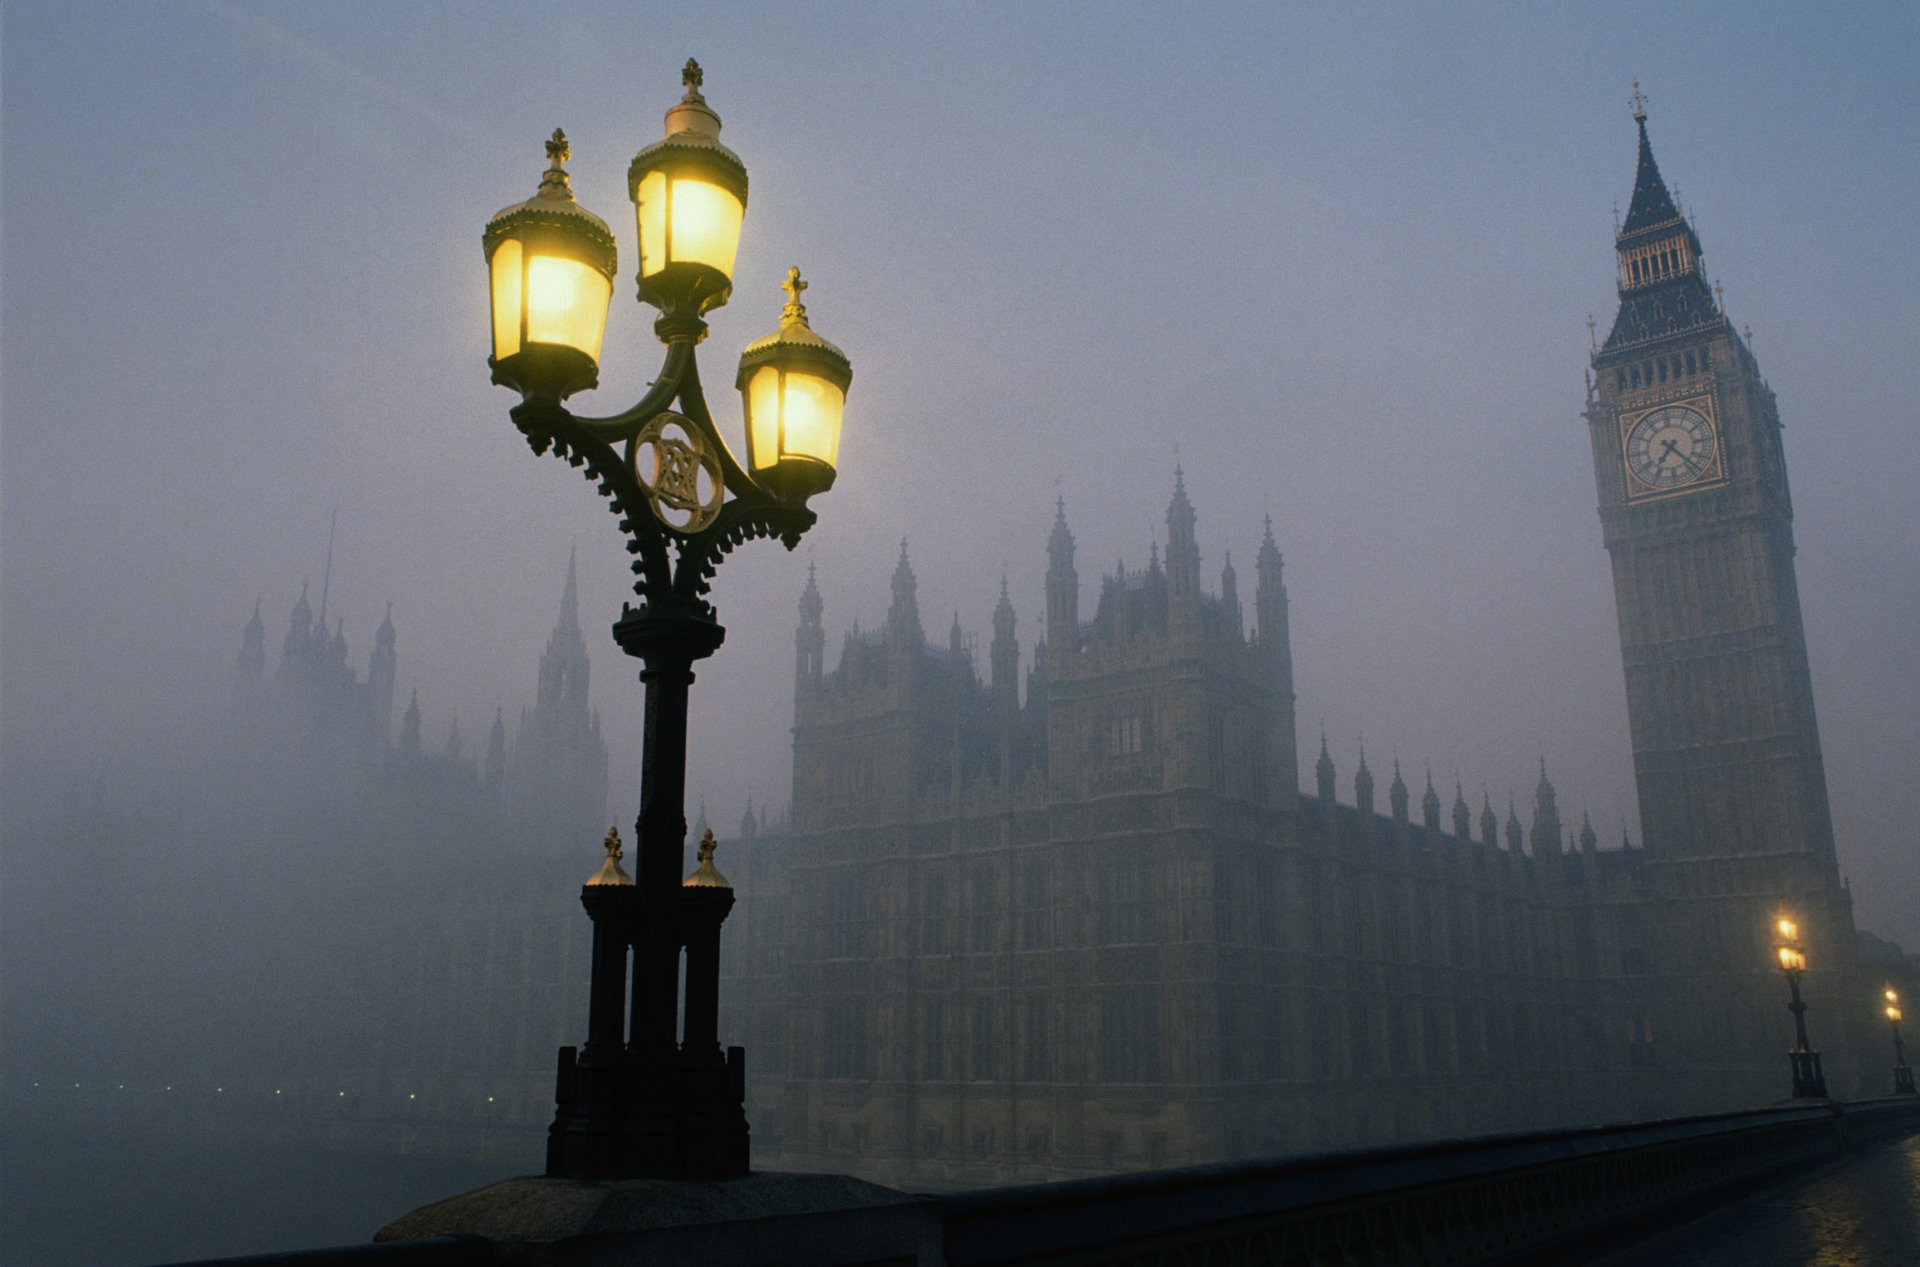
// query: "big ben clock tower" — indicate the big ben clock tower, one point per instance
point(1694, 509)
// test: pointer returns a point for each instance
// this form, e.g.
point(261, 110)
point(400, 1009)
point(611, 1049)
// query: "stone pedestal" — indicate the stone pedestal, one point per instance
point(792, 1219)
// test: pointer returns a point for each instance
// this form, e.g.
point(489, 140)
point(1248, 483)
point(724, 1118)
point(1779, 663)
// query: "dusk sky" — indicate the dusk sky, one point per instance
point(1337, 262)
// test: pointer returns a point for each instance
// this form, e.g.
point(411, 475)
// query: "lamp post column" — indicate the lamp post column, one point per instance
point(1809, 1083)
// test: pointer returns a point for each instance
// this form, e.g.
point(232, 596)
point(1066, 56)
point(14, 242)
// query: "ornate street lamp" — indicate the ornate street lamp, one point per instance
point(1902, 1076)
point(1808, 1082)
point(646, 1096)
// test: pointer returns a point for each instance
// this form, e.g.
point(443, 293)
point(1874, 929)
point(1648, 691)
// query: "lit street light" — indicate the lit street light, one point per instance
point(1902, 1076)
point(1808, 1081)
point(639, 1098)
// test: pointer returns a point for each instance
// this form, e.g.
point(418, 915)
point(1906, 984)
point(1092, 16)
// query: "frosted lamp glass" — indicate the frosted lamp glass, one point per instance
point(705, 225)
point(651, 209)
point(567, 303)
point(810, 410)
point(506, 299)
point(763, 414)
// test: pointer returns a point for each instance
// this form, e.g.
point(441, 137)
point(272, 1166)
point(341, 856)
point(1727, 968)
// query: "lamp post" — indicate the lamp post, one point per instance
point(641, 1098)
point(1902, 1076)
point(1808, 1082)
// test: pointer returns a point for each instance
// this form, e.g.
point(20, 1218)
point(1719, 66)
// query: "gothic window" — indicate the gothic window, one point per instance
point(983, 904)
point(847, 1045)
point(986, 1062)
point(933, 915)
point(847, 931)
point(1035, 905)
point(935, 1058)
point(1130, 1035)
point(1127, 910)
point(1689, 362)
point(1126, 735)
point(1035, 1050)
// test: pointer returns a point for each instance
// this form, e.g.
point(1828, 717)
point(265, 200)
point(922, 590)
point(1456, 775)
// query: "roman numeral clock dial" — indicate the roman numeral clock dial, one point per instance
point(1670, 448)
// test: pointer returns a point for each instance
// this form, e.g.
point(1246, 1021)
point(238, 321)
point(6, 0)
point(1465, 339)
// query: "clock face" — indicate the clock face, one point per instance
point(1671, 447)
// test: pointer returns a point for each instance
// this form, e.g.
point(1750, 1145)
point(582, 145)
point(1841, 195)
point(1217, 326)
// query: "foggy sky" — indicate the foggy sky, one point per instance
point(1339, 263)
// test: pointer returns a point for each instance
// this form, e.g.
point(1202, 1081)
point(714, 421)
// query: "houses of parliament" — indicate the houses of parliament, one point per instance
point(1076, 913)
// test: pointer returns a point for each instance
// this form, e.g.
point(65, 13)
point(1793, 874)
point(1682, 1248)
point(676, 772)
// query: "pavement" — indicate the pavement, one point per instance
point(1863, 1211)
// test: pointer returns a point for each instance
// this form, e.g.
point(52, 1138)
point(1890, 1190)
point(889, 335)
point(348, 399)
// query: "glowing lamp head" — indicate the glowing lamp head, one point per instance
point(1787, 929)
point(689, 195)
point(1893, 1012)
point(793, 384)
point(551, 264)
point(1892, 995)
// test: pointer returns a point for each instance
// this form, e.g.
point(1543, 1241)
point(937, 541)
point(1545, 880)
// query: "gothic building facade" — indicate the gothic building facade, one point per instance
point(452, 1015)
point(1097, 925)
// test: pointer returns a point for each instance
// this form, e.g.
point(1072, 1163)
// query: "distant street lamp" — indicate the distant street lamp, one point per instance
point(1808, 1082)
point(1902, 1076)
point(642, 1098)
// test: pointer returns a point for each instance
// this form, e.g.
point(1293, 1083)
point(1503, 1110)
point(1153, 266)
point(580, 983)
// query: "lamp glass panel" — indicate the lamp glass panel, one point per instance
point(810, 409)
point(651, 209)
point(763, 417)
point(506, 298)
point(567, 303)
point(706, 224)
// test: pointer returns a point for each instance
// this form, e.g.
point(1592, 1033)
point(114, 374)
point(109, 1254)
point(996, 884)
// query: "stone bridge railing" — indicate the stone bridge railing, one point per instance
point(1548, 1197)
point(1490, 1200)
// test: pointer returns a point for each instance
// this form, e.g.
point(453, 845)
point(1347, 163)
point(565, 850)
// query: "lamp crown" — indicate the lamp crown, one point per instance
point(795, 312)
point(692, 113)
point(706, 875)
point(555, 184)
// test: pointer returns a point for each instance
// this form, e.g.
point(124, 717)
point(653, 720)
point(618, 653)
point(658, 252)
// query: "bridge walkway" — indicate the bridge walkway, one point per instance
point(1860, 1211)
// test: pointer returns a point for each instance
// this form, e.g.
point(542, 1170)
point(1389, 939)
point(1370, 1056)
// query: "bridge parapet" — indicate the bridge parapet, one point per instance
point(1486, 1200)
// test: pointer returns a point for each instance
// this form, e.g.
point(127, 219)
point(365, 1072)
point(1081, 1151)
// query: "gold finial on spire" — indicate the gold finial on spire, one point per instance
point(557, 148)
point(1639, 103)
point(693, 77)
point(795, 310)
point(706, 876)
point(611, 872)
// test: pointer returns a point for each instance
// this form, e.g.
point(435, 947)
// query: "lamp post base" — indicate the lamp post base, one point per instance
point(1903, 1080)
point(1809, 1083)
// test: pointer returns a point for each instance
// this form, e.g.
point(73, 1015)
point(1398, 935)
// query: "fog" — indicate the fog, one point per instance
point(1338, 267)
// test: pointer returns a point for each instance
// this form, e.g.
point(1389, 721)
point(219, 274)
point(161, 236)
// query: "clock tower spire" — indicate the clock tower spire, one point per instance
point(1692, 486)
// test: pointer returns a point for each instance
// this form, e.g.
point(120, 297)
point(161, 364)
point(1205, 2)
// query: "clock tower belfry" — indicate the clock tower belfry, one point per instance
point(1695, 513)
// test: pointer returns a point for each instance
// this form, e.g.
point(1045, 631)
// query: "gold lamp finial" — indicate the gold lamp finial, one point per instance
point(1639, 103)
point(611, 872)
point(554, 182)
point(795, 311)
point(693, 77)
point(706, 875)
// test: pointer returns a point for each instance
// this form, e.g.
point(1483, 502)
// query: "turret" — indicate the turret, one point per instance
point(1323, 772)
point(903, 617)
point(1489, 822)
point(1183, 551)
point(809, 643)
point(1397, 796)
point(1063, 588)
point(564, 668)
point(453, 741)
point(410, 727)
point(253, 646)
point(1589, 840)
point(1363, 789)
point(1004, 654)
point(496, 769)
point(382, 667)
point(294, 652)
point(1430, 805)
point(1276, 653)
point(1515, 835)
point(1230, 599)
point(1462, 816)
point(1545, 837)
